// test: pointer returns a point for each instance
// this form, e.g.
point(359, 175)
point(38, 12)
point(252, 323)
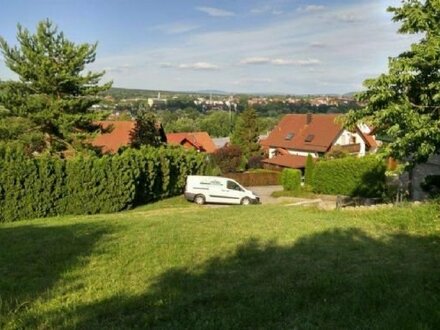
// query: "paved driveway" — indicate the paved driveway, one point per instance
point(264, 192)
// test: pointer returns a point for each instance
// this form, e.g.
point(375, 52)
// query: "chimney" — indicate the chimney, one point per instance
point(308, 118)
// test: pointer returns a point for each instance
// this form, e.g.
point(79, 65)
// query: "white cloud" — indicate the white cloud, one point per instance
point(198, 66)
point(307, 62)
point(348, 17)
point(291, 51)
point(175, 28)
point(215, 12)
point(266, 10)
point(312, 8)
point(255, 60)
point(280, 61)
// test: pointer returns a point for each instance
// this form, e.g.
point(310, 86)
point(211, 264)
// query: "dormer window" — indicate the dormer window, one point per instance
point(289, 136)
point(309, 138)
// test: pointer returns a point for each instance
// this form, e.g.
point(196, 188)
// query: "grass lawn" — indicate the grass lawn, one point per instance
point(176, 265)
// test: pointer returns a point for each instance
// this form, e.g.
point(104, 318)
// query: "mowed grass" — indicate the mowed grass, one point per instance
point(175, 265)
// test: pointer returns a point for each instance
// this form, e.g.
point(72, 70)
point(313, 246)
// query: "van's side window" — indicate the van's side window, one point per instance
point(232, 185)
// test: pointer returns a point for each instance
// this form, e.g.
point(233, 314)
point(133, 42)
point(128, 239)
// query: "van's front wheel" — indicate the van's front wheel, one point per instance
point(245, 201)
point(199, 199)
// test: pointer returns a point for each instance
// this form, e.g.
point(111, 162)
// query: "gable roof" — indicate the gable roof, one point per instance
point(292, 161)
point(118, 135)
point(294, 132)
point(369, 140)
point(199, 140)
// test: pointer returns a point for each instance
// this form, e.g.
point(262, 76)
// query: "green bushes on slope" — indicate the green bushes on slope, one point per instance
point(351, 176)
point(291, 179)
point(45, 186)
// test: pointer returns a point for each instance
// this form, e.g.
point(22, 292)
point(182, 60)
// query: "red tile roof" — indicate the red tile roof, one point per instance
point(316, 136)
point(198, 140)
point(369, 140)
point(118, 135)
point(291, 161)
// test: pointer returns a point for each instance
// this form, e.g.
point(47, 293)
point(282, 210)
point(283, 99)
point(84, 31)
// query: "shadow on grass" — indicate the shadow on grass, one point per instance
point(33, 258)
point(335, 279)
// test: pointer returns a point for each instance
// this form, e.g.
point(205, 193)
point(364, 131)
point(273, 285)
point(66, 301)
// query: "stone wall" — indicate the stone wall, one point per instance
point(431, 167)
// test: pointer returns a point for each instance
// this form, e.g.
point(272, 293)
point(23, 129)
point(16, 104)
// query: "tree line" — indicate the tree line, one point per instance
point(48, 108)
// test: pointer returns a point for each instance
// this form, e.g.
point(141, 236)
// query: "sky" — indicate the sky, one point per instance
point(237, 46)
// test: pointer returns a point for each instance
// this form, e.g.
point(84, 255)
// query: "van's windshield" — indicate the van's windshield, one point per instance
point(234, 186)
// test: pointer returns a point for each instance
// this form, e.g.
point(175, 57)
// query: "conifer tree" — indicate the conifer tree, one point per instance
point(147, 131)
point(308, 172)
point(53, 91)
point(246, 133)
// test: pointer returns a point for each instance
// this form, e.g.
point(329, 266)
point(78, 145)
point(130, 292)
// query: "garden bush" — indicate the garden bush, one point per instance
point(291, 179)
point(229, 158)
point(308, 172)
point(49, 186)
point(351, 176)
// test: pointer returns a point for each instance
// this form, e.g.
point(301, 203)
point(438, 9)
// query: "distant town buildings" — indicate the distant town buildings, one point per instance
point(156, 101)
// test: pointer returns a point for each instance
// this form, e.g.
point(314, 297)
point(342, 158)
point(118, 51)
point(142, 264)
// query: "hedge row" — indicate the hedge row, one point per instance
point(351, 176)
point(45, 186)
point(291, 179)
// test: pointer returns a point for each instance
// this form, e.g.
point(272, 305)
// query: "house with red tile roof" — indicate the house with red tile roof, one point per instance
point(201, 141)
point(117, 134)
point(298, 135)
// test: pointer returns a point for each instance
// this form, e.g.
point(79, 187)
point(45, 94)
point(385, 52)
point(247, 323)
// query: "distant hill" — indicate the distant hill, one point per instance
point(351, 94)
point(126, 93)
point(212, 91)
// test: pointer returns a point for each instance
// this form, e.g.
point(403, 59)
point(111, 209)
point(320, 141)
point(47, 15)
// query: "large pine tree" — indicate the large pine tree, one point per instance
point(53, 91)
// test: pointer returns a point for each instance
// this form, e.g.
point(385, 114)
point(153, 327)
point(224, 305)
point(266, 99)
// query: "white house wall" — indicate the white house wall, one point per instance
point(272, 153)
point(347, 138)
point(302, 153)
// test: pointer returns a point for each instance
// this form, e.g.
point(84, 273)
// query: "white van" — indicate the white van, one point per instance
point(215, 189)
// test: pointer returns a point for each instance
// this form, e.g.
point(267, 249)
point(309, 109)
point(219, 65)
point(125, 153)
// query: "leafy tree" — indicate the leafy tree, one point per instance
point(52, 92)
point(228, 158)
point(182, 124)
point(246, 133)
point(217, 123)
point(404, 103)
point(147, 131)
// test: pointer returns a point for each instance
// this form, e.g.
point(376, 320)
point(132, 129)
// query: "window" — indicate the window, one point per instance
point(289, 136)
point(233, 186)
point(309, 138)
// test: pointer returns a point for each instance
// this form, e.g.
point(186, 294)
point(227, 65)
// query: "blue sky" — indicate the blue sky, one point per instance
point(272, 46)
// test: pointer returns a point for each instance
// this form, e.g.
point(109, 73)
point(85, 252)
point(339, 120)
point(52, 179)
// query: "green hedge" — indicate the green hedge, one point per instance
point(44, 186)
point(291, 179)
point(352, 176)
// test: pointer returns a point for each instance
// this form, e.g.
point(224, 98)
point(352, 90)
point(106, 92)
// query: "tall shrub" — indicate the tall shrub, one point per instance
point(291, 179)
point(44, 186)
point(351, 176)
point(228, 158)
point(308, 172)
